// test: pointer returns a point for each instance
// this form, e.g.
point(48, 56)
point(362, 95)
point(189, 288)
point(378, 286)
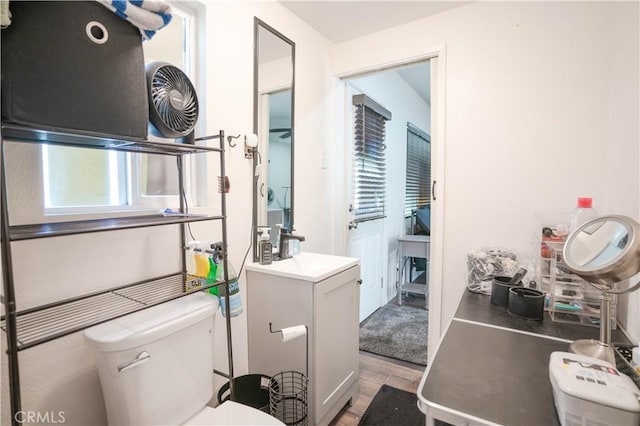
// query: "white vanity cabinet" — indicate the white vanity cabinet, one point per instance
point(321, 292)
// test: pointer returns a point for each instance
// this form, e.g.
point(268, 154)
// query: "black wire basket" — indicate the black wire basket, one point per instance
point(288, 398)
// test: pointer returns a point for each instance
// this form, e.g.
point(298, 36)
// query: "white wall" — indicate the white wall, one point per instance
point(229, 100)
point(392, 92)
point(530, 87)
point(60, 375)
point(624, 135)
point(541, 107)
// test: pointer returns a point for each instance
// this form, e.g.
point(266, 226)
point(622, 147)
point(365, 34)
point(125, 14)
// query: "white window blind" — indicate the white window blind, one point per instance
point(369, 163)
point(418, 191)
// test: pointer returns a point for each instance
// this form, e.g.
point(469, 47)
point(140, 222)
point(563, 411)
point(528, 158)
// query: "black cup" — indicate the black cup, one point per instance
point(500, 290)
point(526, 303)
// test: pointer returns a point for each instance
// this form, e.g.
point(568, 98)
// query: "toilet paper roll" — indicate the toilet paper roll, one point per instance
point(291, 333)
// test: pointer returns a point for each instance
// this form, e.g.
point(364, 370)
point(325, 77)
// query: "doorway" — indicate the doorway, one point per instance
point(375, 242)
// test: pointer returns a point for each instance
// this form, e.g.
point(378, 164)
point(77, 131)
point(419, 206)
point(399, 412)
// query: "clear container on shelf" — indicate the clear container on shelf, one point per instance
point(551, 232)
point(582, 307)
point(572, 299)
point(569, 299)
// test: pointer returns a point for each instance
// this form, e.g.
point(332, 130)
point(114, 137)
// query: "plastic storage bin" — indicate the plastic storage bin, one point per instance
point(570, 299)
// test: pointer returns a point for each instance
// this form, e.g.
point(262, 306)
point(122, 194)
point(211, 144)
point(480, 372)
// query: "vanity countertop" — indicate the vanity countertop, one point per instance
point(306, 266)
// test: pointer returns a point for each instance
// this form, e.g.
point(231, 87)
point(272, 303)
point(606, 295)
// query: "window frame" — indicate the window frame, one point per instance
point(132, 199)
point(422, 136)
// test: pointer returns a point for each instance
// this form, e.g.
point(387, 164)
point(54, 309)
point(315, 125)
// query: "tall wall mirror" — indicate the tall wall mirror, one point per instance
point(273, 118)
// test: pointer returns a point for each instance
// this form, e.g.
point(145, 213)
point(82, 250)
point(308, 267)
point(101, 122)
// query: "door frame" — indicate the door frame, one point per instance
point(438, 147)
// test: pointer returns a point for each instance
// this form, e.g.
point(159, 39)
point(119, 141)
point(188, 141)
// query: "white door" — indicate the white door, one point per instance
point(365, 243)
point(364, 239)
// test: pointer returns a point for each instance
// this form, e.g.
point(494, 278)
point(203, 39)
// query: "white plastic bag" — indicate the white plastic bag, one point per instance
point(485, 264)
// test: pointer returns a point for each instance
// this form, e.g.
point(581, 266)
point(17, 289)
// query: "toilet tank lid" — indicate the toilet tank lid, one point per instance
point(151, 324)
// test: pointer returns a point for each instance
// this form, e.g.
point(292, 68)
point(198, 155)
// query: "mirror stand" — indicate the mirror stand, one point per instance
point(602, 348)
point(604, 252)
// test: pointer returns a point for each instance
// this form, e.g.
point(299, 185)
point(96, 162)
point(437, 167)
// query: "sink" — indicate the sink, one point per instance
point(306, 266)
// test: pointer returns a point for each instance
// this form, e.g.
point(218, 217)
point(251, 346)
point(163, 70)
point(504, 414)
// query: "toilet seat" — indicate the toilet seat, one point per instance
point(232, 413)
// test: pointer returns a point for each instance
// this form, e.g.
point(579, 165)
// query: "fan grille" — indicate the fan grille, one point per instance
point(174, 99)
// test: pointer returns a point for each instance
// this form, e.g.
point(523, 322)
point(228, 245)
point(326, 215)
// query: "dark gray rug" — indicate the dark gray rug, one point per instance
point(398, 332)
point(393, 407)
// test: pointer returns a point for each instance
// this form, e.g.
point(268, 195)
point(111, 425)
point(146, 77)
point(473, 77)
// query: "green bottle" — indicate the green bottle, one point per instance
point(211, 276)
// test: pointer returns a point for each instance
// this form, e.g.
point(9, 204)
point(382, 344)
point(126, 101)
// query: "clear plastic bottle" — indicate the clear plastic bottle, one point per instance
point(201, 258)
point(584, 212)
point(190, 257)
point(235, 303)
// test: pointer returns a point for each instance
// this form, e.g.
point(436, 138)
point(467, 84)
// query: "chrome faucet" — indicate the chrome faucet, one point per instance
point(283, 246)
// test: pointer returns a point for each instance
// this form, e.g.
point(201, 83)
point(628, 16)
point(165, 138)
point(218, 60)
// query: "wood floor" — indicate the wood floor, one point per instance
point(376, 371)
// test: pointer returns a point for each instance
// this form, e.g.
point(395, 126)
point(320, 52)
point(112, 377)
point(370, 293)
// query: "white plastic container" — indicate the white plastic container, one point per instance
point(190, 257)
point(265, 249)
point(589, 391)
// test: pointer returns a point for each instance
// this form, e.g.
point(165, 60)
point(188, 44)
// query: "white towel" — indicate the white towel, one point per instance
point(148, 15)
point(5, 14)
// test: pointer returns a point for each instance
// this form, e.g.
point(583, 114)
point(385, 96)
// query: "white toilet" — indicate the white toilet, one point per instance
point(156, 367)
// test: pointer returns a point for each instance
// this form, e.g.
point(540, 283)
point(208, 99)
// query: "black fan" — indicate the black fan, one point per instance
point(173, 104)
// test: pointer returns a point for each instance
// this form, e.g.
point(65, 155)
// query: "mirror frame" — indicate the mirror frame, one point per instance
point(257, 24)
point(624, 266)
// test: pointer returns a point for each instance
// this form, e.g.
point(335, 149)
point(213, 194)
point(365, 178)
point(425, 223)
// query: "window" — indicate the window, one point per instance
point(369, 163)
point(418, 191)
point(87, 180)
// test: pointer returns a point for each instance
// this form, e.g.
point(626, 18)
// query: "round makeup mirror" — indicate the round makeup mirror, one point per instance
point(603, 251)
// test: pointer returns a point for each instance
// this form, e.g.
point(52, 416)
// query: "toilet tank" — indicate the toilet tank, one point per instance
point(156, 365)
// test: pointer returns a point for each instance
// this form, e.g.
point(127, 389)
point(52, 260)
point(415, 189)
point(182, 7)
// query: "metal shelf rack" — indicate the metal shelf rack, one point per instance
point(82, 139)
point(48, 322)
point(30, 327)
point(56, 229)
